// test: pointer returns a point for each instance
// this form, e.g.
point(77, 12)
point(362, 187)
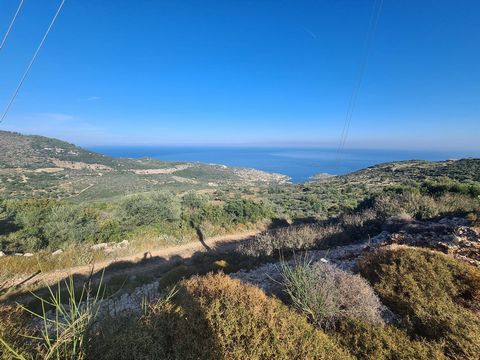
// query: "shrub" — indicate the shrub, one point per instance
point(70, 223)
point(410, 203)
point(383, 342)
point(327, 294)
point(245, 211)
point(284, 239)
point(147, 210)
point(421, 206)
point(109, 230)
point(194, 201)
point(23, 240)
point(347, 228)
point(471, 189)
point(215, 317)
point(432, 293)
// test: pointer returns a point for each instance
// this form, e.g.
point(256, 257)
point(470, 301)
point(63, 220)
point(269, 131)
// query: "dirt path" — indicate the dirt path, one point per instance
point(145, 261)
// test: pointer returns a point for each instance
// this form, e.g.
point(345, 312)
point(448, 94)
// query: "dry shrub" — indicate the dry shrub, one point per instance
point(347, 228)
point(216, 317)
point(434, 295)
point(287, 239)
point(13, 330)
point(422, 206)
point(384, 342)
point(328, 295)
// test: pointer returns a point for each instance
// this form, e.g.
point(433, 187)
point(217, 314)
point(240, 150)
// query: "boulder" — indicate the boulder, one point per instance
point(446, 235)
point(57, 252)
point(122, 244)
point(101, 246)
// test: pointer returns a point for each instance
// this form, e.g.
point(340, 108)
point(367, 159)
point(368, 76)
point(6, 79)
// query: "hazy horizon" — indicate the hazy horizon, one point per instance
point(299, 163)
point(246, 73)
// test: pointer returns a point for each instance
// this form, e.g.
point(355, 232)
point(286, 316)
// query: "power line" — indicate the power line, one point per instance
point(24, 76)
point(11, 24)
point(353, 99)
point(372, 27)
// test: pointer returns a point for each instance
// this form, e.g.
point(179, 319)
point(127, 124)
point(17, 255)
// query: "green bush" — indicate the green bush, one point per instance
point(246, 211)
point(440, 188)
point(147, 210)
point(109, 230)
point(50, 223)
point(423, 206)
point(23, 240)
point(434, 295)
point(194, 201)
point(70, 223)
point(215, 317)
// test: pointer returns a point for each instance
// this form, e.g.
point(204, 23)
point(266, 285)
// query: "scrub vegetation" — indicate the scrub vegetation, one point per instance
point(382, 263)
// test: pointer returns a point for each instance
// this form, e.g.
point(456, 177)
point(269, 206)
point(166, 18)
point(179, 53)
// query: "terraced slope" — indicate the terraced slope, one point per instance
point(41, 166)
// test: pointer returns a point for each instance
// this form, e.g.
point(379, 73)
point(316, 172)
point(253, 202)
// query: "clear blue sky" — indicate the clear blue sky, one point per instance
point(246, 72)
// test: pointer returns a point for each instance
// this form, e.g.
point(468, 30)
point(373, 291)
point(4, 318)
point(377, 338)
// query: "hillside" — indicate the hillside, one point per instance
point(327, 195)
point(41, 166)
point(395, 278)
point(334, 253)
point(402, 172)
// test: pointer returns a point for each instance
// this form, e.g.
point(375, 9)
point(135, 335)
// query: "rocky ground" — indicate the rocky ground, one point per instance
point(450, 235)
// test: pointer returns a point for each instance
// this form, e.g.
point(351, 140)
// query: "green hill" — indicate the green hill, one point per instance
point(417, 170)
point(41, 166)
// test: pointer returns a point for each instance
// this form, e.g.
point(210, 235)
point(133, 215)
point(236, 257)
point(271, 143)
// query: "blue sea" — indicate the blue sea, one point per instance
point(298, 163)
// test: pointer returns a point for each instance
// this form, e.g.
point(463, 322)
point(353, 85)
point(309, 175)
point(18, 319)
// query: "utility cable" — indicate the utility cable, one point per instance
point(372, 27)
point(24, 76)
point(4, 40)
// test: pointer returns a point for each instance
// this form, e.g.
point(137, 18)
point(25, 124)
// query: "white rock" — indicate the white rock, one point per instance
point(100, 246)
point(2, 254)
point(28, 254)
point(122, 244)
point(58, 252)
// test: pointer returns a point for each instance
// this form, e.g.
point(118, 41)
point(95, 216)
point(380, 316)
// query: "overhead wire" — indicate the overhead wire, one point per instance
point(5, 37)
point(32, 61)
point(372, 28)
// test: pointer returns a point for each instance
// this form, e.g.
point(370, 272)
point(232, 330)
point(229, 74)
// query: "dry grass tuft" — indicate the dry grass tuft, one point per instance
point(328, 295)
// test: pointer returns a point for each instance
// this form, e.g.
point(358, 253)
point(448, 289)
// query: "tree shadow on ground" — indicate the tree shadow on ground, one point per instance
point(122, 276)
point(174, 330)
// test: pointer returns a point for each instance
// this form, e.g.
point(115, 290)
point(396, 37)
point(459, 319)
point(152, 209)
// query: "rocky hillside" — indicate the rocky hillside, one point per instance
point(415, 171)
point(37, 165)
